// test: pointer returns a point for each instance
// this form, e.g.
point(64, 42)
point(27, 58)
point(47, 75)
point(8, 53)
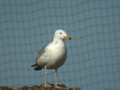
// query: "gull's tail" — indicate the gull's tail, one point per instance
point(37, 67)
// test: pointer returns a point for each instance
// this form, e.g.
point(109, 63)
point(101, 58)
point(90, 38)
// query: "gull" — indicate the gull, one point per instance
point(52, 56)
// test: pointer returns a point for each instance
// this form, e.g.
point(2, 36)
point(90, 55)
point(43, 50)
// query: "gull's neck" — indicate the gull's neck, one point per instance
point(58, 44)
point(58, 41)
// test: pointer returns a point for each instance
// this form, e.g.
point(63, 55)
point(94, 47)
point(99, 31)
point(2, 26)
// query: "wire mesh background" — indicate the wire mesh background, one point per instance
point(93, 53)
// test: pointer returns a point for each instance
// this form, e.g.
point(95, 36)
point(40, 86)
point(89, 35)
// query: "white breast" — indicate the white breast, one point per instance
point(57, 55)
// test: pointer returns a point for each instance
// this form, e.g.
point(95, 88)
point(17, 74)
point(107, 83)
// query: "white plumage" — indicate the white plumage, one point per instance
point(53, 55)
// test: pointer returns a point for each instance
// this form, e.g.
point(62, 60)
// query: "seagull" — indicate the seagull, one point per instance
point(52, 56)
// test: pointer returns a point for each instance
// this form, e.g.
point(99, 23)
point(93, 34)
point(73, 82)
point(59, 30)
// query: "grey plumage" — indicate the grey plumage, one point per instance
point(37, 66)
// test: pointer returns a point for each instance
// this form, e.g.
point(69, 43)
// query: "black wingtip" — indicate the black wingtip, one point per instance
point(37, 67)
point(33, 65)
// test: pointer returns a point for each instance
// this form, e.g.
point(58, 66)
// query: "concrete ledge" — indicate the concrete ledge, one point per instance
point(63, 87)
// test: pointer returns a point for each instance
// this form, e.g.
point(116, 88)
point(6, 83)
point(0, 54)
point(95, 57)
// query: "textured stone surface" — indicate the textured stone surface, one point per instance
point(63, 87)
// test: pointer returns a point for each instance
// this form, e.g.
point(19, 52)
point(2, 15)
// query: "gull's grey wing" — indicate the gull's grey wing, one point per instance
point(41, 52)
point(36, 66)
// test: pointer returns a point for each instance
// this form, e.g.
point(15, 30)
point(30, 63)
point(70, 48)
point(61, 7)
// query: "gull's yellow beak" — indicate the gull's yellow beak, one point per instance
point(67, 37)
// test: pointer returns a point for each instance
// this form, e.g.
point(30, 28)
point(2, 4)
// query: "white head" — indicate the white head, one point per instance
point(60, 34)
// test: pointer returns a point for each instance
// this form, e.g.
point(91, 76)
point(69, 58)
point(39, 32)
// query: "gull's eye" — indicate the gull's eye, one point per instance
point(61, 33)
